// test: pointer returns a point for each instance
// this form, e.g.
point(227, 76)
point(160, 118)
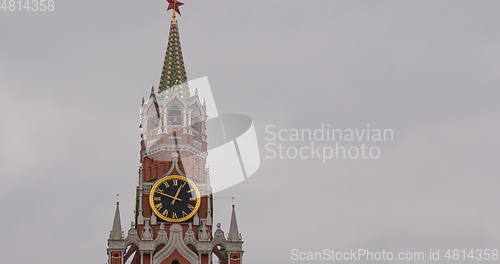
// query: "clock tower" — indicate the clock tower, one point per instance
point(173, 218)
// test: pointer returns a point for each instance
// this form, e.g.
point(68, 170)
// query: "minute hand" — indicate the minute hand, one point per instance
point(170, 196)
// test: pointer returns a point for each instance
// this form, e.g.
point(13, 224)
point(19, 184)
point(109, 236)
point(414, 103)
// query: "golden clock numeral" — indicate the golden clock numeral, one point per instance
point(175, 181)
point(190, 207)
point(192, 199)
point(190, 190)
point(156, 199)
point(165, 213)
point(174, 215)
point(158, 206)
point(166, 184)
point(184, 213)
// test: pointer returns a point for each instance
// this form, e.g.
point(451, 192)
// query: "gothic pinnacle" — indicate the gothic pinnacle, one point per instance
point(234, 234)
point(116, 230)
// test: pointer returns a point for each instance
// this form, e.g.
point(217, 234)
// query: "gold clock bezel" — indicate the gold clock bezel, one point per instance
point(164, 179)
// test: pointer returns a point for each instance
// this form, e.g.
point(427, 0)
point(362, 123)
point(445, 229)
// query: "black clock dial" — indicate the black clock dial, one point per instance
point(174, 198)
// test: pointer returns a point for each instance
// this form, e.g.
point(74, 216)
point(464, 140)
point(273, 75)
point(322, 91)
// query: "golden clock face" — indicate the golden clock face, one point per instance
point(175, 198)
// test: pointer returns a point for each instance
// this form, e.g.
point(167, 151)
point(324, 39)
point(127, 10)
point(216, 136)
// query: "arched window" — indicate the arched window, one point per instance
point(175, 262)
point(196, 119)
point(174, 114)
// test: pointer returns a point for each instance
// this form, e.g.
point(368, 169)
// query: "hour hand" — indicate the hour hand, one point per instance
point(177, 193)
point(169, 196)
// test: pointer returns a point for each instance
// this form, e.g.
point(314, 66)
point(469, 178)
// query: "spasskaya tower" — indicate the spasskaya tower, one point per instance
point(173, 220)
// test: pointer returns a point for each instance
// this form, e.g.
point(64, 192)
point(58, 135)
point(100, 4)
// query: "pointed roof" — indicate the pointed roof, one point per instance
point(173, 72)
point(152, 98)
point(116, 231)
point(234, 234)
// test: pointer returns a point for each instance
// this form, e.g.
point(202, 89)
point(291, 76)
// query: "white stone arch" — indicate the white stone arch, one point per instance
point(132, 239)
point(129, 242)
point(175, 242)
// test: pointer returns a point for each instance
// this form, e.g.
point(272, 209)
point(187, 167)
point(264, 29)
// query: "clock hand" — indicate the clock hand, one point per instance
point(173, 198)
point(177, 193)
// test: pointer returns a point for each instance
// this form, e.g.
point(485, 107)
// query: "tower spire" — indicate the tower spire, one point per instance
point(174, 71)
point(234, 234)
point(116, 231)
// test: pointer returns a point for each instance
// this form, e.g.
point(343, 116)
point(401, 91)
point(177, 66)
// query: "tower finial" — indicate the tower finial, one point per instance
point(174, 5)
point(174, 18)
point(117, 198)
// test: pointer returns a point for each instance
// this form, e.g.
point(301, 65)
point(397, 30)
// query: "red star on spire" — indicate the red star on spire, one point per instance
point(174, 5)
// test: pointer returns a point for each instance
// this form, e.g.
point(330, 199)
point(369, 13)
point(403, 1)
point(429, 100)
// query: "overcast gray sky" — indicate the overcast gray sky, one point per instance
point(71, 82)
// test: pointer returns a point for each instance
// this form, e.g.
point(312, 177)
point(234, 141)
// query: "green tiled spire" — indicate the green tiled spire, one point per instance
point(173, 72)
